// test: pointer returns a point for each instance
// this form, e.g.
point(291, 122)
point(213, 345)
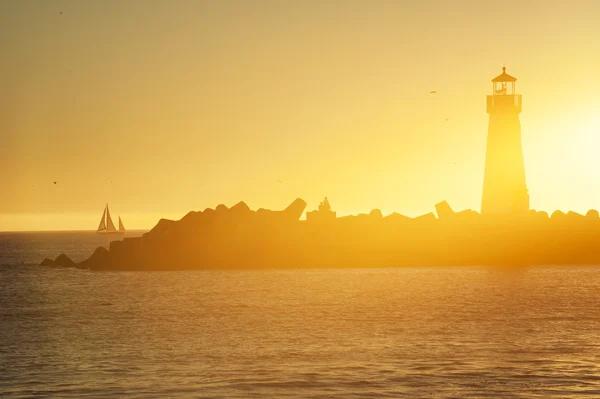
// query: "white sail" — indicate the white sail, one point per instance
point(102, 225)
point(121, 227)
point(109, 222)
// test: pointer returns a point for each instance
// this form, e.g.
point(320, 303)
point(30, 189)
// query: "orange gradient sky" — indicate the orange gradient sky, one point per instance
point(161, 107)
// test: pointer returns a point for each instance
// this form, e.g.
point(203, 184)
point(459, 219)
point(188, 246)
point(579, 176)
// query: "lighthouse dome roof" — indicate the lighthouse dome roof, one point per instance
point(504, 77)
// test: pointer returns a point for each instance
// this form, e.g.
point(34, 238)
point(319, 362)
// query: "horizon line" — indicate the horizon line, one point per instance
point(62, 231)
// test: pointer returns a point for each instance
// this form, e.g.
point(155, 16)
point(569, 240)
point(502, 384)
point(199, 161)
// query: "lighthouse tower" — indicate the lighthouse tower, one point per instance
point(504, 186)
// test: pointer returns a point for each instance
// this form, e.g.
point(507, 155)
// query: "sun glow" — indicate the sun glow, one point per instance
point(580, 145)
point(564, 158)
point(216, 102)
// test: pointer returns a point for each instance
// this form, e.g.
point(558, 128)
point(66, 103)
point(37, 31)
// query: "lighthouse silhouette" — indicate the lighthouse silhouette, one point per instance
point(504, 187)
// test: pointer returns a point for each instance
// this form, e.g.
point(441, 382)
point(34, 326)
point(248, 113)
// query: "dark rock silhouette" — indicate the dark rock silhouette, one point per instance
point(47, 262)
point(99, 260)
point(592, 214)
point(543, 214)
point(289, 214)
point(396, 218)
point(240, 208)
point(238, 238)
point(574, 215)
point(444, 211)
point(295, 209)
point(63, 260)
point(466, 217)
point(376, 214)
point(428, 217)
point(161, 227)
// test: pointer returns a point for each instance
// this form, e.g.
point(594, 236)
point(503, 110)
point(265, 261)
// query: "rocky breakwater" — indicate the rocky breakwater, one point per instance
point(235, 237)
point(240, 238)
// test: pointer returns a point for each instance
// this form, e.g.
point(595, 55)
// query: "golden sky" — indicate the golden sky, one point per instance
point(162, 107)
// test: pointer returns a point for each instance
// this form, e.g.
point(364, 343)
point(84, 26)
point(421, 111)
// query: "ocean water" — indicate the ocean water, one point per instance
point(439, 332)
point(30, 248)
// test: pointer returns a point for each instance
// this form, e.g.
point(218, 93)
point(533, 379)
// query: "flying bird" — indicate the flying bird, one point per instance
point(54, 182)
point(433, 92)
point(279, 181)
point(447, 119)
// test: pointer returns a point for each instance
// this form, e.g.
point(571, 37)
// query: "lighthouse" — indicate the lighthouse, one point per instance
point(504, 187)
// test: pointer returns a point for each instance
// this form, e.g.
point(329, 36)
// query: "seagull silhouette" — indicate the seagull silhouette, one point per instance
point(279, 181)
point(433, 92)
point(447, 119)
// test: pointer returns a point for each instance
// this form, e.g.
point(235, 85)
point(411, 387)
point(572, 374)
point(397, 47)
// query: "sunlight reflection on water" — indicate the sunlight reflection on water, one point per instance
point(428, 332)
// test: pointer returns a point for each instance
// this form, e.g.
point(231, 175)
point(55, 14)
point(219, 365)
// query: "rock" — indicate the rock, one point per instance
point(426, 218)
point(241, 238)
point(538, 217)
point(98, 260)
point(396, 218)
point(114, 245)
point(574, 215)
point(126, 253)
point(292, 213)
point(469, 212)
point(542, 215)
point(320, 217)
point(592, 214)
point(363, 218)
point(63, 260)
point(190, 222)
point(190, 215)
point(376, 214)
point(240, 213)
point(47, 262)
point(160, 228)
point(240, 207)
point(346, 219)
point(558, 215)
point(295, 210)
point(444, 211)
point(467, 215)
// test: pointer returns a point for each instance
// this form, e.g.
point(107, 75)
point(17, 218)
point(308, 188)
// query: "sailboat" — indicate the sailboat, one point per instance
point(107, 226)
